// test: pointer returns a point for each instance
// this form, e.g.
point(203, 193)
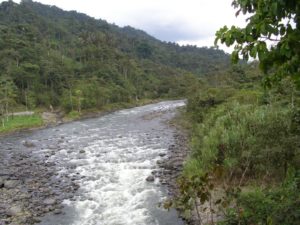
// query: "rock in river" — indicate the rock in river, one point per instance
point(1, 182)
point(11, 183)
point(150, 178)
point(29, 144)
point(14, 210)
point(162, 154)
point(49, 201)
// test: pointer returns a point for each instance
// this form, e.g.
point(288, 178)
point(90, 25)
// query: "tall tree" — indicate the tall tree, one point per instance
point(272, 34)
point(7, 97)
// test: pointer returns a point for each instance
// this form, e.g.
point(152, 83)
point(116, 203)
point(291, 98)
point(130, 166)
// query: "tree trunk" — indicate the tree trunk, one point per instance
point(71, 100)
point(26, 100)
point(198, 213)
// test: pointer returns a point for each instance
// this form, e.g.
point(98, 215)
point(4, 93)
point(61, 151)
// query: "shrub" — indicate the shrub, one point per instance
point(252, 139)
point(275, 206)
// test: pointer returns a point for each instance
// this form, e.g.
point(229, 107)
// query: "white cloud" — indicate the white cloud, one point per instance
point(189, 21)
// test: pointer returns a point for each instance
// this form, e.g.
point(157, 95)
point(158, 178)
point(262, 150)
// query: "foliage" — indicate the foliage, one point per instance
point(73, 115)
point(201, 101)
point(7, 97)
point(270, 21)
point(272, 206)
point(71, 61)
point(257, 140)
point(246, 137)
point(194, 191)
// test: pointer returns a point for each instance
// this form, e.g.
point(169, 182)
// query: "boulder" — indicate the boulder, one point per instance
point(150, 178)
point(1, 182)
point(9, 184)
point(49, 201)
point(14, 210)
point(29, 144)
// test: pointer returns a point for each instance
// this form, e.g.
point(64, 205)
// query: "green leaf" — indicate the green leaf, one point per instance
point(235, 56)
point(274, 8)
point(263, 29)
point(253, 52)
point(282, 30)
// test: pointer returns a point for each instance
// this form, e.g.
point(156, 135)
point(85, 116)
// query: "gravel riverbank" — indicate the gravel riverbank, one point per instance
point(30, 187)
point(171, 166)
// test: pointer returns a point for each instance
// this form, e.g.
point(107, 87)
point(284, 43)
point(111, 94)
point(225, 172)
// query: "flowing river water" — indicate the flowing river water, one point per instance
point(113, 155)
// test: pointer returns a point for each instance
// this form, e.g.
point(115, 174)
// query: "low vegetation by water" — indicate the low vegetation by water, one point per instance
point(245, 150)
point(245, 136)
point(245, 141)
point(13, 123)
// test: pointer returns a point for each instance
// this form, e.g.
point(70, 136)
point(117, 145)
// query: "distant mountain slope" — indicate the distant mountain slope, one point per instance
point(56, 57)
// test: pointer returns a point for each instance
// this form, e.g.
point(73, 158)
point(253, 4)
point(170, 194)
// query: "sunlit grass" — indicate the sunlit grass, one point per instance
point(20, 122)
point(73, 115)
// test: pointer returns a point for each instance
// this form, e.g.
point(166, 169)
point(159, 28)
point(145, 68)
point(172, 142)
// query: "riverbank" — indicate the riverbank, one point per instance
point(172, 166)
point(30, 186)
point(42, 118)
point(20, 122)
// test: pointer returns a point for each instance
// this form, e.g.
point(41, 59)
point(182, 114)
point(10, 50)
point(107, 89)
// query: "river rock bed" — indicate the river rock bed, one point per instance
point(171, 165)
point(30, 187)
point(40, 169)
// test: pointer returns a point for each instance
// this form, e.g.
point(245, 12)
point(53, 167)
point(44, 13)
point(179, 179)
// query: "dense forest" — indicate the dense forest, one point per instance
point(50, 57)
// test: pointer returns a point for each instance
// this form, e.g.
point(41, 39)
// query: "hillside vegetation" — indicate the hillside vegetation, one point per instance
point(66, 59)
point(245, 142)
point(245, 125)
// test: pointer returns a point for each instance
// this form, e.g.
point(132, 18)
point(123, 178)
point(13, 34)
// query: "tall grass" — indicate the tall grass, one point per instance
point(251, 138)
point(20, 122)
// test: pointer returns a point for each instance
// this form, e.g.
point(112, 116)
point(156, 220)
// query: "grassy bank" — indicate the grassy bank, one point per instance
point(16, 123)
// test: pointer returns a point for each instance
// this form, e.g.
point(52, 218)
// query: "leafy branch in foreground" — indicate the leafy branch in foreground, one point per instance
point(272, 34)
point(194, 193)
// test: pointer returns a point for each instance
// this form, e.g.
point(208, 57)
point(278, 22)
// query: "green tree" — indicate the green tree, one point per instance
point(272, 34)
point(79, 99)
point(7, 97)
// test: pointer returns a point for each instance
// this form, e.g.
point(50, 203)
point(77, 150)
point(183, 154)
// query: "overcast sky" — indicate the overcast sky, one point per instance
point(182, 21)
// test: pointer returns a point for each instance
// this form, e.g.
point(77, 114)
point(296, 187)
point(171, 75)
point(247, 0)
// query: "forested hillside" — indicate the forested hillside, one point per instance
point(66, 59)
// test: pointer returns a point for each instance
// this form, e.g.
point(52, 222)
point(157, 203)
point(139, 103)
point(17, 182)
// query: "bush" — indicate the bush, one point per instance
point(244, 96)
point(251, 139)
point(276, 206)
point(199, 103)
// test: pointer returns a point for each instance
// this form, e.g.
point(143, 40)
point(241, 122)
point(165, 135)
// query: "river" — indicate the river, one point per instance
point(113, 155)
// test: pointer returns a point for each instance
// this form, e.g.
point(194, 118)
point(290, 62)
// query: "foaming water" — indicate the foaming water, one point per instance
point(113, 155)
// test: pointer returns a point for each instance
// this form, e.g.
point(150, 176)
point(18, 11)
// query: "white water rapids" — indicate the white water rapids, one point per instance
point(120, 151)
point(113, 155)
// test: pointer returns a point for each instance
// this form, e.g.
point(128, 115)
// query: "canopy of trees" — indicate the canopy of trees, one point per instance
point(59, 58)
point(271, 22)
